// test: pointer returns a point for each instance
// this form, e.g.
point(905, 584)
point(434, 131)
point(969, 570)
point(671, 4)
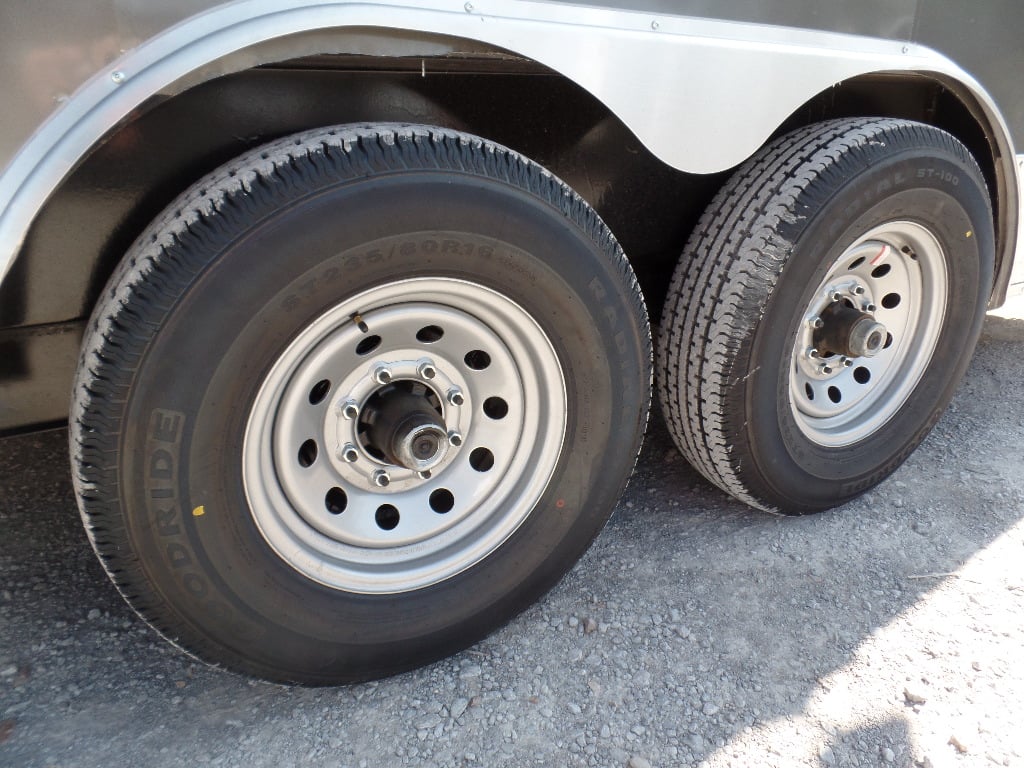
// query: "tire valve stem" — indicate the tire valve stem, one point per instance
point(358, 320)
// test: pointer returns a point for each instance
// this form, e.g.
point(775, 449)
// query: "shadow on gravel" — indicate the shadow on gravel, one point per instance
point(690, 627)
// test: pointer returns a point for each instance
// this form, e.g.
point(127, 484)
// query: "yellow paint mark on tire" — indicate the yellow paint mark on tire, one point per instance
point(969, 233)
point(199, 511)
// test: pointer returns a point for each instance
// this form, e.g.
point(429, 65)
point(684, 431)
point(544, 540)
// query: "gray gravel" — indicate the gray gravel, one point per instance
point(695, 632)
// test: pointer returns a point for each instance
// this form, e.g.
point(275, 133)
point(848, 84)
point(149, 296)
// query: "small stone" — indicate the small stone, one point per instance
point(606, 731)
point(696, 742)
point(913, 698)
point(958, 745)
point(589, 626)
point(471, 670)
point(888, 755)
point(710, 709)
point(638, 762)
point(683, 632)
point(827, 756)
point(458, 707)
point(574, 708)
point(976, 666)
point(639, 730)
point(427, 723)
point(9, 671)
point(573, 622)
point(93, 614)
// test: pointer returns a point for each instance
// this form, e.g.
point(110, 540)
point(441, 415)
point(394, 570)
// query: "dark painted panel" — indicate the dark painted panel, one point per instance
point(37, 366)
point(985, 39)
point(878, 18)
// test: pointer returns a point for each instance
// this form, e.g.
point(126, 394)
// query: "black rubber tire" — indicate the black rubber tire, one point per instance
point(746, 275)
point(213, 292)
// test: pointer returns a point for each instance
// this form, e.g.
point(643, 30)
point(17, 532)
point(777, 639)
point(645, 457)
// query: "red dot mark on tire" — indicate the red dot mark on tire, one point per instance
point(560, 503)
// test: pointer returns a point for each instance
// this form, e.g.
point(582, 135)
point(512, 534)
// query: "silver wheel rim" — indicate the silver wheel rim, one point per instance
point(338, 511)
point(896, 276)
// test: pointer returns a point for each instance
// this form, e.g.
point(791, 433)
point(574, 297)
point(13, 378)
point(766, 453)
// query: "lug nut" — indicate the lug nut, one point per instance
point(455, 397)
point(858, 290)
point(847, 362)
point(870, 307)
point(455, 438)
point(349, 409)
point(812, 353)
point(348, 453)
point(817, 322)
point(427, 371)
point(382, 375)
point(424, 475)
point(380, 478)
point(825, 370)
point(836, 296)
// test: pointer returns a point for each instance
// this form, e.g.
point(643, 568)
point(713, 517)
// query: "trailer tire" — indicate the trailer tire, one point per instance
point(355, 400)
point(824, 311)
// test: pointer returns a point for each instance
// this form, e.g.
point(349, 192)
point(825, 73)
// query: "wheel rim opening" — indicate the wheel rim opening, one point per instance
point(495, 408)
point(336, 501)
point(429, 334)
point(368, 344)
point(319, 392)
point(387, 517)
point(307, 453)
point(481, 459)
point(477, 359)
point(442, 501)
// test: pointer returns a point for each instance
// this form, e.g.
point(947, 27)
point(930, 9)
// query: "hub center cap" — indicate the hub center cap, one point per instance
point(405, 428)
point(849, 332)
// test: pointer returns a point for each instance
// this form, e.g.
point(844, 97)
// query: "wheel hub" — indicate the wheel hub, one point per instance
point(403, 427)
point(849, 332)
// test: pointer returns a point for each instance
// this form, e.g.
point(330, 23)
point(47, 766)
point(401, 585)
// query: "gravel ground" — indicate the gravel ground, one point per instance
point(694, 632)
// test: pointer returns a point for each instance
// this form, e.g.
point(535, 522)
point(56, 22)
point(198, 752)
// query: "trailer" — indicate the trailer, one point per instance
point(345, 303)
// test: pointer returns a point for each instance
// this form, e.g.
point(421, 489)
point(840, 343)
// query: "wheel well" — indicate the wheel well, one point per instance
point(146, 161)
